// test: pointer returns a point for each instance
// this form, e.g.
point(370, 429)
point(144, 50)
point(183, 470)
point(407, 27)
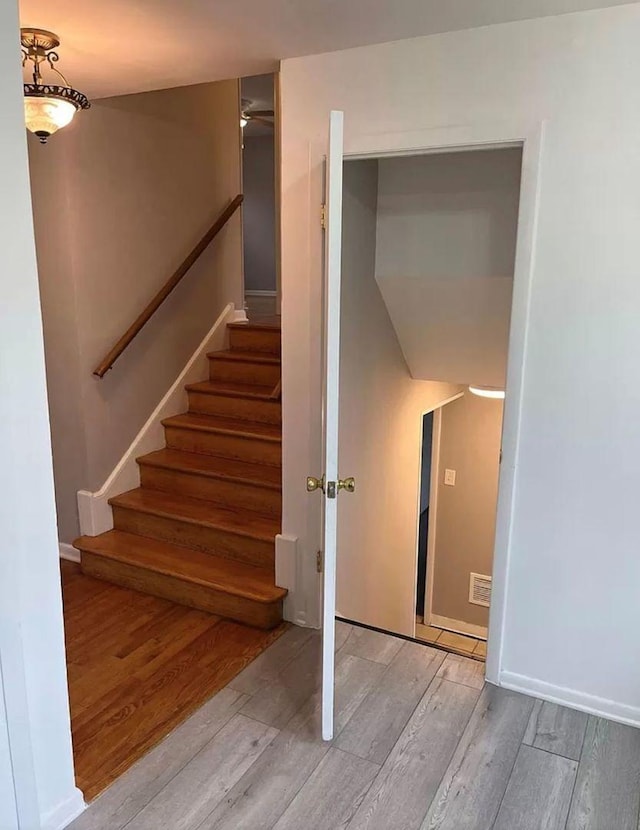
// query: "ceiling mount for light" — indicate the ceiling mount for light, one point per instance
point(487, 392)
point(47, 106)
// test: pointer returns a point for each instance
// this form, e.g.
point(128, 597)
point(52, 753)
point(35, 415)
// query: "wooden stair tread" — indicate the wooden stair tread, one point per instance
point(259, 475)
point(245, 357)
point(197, 511)
point(204, 569)
point(227, 426)
point(232, 390)
point(256, 325)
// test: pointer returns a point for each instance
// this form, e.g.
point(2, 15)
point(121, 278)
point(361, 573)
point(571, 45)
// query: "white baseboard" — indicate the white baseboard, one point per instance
point(68, 552)
point(592, 704)
point(62, 815)
point(458, 626)
point(93, 508)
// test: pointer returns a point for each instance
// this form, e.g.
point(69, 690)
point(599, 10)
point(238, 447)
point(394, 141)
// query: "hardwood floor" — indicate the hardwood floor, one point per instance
point(421, 744)
point(138, 666)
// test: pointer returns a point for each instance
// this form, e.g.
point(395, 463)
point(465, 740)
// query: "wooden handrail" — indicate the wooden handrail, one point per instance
point(110, 358)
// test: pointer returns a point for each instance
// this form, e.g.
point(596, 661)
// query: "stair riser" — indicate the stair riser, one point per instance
point(214, 601)
point(237, 371)
point(199, 537)
point(252, 450)
point(233, 494)
point(255, 340)
point(246, 409)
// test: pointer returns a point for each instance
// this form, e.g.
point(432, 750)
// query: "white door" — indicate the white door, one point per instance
point(8, 806)
point(329, 485)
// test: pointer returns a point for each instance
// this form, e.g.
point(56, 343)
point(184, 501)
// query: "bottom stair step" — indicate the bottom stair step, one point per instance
point(201, 580)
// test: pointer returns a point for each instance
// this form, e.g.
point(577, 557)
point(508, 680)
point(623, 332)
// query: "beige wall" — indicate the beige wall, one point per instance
point(381, 409)
point(466, 513)
point(119, 200)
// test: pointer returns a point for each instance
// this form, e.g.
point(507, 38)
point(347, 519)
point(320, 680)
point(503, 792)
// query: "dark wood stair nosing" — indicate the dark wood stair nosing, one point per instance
point(249, 326)
point(185, 577)
point(212, 525)
point(219, 476)
point(240, 432)
point(240, 356)
point(245, 394)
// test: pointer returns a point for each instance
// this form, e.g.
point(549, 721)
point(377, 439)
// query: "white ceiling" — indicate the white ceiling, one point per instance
point(113, 47)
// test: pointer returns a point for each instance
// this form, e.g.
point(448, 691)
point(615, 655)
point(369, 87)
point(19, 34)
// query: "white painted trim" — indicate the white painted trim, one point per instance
point(239, 315)
point(433, 502)
point(286, 560)
point(592, 704)
point(446, 139)
point(459, 626)
point(333, 273)
point(433, 514)
point(68, 552)
point(528, 135)
point(260, 293)
point(93, 508)
point(65, 813)
point(512, 415)
point(290, 575)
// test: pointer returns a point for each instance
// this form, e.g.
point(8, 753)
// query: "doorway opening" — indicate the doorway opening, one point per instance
point(460, 461)
point(428, 260)
point(258, 127)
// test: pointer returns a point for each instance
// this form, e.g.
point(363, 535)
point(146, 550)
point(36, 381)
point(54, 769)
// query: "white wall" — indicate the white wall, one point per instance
point(446, 238)
point(573, 573)
point(381, 409)
point(31, 633)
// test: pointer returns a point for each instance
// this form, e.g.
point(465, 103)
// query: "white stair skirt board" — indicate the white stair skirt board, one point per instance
point(459, 627)
point(592, 704)
point(93, 508)
point(68, 552)
point(290, 574)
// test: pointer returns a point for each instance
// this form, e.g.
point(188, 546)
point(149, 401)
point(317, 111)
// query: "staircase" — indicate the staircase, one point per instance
point(200, 530)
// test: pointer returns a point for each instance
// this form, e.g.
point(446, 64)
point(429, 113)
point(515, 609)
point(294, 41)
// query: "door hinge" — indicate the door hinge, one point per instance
point(323, 216)
point(319, 561)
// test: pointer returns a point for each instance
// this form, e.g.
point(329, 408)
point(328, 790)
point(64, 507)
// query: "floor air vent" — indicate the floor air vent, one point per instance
point(480, 589)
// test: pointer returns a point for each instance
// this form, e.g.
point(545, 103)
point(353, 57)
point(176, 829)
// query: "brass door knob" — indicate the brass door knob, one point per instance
point(314, 483)
point(348, 484)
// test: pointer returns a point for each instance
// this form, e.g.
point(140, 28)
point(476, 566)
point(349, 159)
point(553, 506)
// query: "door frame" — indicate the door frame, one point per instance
point(501, 135)
point(434, 473)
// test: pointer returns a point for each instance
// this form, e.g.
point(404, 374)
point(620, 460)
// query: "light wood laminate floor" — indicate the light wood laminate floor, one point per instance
point(138, 666)
point(421, 744)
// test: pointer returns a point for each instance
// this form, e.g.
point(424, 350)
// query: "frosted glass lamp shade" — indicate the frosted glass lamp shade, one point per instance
point(45, 115)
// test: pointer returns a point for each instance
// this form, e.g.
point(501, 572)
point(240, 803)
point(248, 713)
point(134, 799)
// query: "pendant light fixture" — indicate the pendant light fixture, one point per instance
point(487, 392)
point(47, 106)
